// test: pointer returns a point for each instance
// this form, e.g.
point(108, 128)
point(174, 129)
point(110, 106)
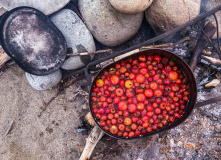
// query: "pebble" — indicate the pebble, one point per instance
point(109, 26)
point(131, 6)
point(164, 15)
point(77, 36)
point(42, 83)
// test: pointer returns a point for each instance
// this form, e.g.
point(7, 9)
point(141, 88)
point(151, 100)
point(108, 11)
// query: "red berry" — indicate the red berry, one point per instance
point(148, 93)
point(140, 106)
point(132, 108)
point(122, 106)
point(158, 111)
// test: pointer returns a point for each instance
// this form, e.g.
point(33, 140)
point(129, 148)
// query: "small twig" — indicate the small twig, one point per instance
point(217, 26)
point(166, 45)
point(89, 53)
point(182, 40)
point(49, 102)
point(60, 88)
point(75, 80)
point(9, 128)
point(157, 46)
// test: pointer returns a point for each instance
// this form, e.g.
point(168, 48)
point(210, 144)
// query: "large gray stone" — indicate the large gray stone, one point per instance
point(77, 36)
point(164, 15)
point(46, 6)
point(44, 82)
point(131, 6)
point(109, 26)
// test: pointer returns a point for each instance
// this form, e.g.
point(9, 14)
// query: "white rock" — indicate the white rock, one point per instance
point(77, 36)
point(44, 82)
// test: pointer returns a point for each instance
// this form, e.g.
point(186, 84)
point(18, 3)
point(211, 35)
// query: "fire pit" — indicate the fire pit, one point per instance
point(198, 137)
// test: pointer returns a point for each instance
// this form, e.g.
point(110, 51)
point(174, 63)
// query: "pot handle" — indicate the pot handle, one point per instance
point(206, 102)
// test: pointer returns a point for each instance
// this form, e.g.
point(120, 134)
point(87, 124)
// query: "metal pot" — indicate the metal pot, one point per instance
point(188, 74)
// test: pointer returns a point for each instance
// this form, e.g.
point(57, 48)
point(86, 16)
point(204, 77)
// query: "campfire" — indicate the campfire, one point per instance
point(196, 41)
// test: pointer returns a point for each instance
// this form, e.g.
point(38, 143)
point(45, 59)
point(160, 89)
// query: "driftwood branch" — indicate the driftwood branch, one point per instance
point(89, 53)
point(207, 32)
point(90, 119)
point(92, 140)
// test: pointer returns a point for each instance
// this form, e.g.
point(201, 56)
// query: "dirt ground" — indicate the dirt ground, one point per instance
point(53, 135)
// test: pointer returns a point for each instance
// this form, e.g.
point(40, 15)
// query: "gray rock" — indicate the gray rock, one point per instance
point(131, 6)
point(44, 82)
point(164, 15)
point(109, 26)
point(46, 6)
point(77, 36)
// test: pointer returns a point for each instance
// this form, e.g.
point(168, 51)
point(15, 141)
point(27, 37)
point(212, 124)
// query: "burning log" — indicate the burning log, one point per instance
point(213, 61)
point(209, 30)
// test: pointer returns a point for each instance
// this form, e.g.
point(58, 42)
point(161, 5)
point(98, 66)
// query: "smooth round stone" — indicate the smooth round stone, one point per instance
point(108, 25)
point(46, 6)
point(44, 82)
point(164, 15)
point(131, 6)
point(77, 36)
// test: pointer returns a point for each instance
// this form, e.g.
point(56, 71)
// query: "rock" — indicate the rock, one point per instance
point(44, 82)
point(109, 26)
point(164, 15)
point(46, 6)
point(77, 36)
point(131, 6)
point(208, 5)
